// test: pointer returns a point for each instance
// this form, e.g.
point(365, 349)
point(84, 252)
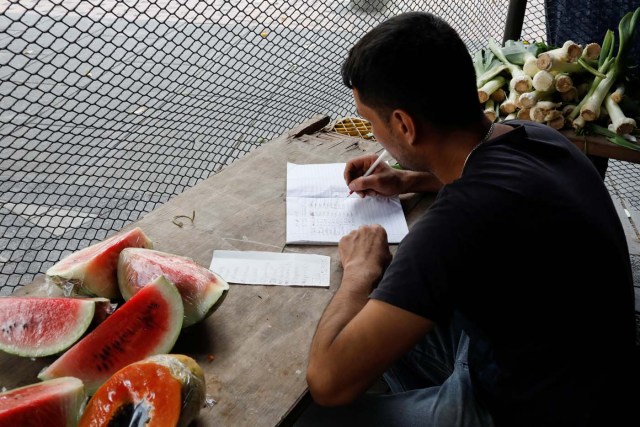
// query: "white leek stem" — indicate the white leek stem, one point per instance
point(543, 80)
point(490, 110)
point(557, 122)
point(537, 114)
point(552, 115)
point(578, 123)
point(621, 124)
point(489, 87)
point(489, 74)
point(618, 94)
point(529, 99)
point(523, 114)
point(569, 52)
point(562, 82)
point(591, 51)
point(511, 104)
point(590, 110)
point(499, 95)
point(519, 80)
point(566, 67)
point(530, 68)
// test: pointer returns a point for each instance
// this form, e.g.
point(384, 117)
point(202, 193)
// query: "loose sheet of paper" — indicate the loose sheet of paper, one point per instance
point(272, 268)
point(319, 211)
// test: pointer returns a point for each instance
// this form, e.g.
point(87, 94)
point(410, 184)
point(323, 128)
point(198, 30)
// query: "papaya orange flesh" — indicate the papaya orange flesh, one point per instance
point(141, 394)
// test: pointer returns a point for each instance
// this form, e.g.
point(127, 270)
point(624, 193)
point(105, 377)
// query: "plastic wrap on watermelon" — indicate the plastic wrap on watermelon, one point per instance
point(202, 290)
point(168, 388)
point(53, 403)
point(93, 270)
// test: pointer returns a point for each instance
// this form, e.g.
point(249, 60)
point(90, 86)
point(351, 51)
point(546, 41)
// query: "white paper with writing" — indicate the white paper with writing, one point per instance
point(272, 268)
point(319, 211)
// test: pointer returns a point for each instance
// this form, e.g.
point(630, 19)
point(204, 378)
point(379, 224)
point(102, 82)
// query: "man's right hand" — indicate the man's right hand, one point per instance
point(383, 181)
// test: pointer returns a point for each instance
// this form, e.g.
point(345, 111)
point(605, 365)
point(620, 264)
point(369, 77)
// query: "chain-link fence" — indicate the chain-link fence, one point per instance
point(109, 108)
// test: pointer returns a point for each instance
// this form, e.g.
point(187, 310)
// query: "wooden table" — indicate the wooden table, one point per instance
point(253, 349)
point(597, 145)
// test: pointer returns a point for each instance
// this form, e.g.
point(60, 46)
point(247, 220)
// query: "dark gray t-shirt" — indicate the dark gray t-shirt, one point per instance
point(526, 248)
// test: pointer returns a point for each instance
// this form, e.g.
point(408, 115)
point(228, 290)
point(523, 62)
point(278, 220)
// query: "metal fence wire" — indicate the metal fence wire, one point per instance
point(109, 108)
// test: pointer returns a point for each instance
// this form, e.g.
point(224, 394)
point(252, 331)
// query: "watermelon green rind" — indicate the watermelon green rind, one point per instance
point(54, 403)
point(201, 289)
point(92, 271)
point(149, 323)
point(39, 326)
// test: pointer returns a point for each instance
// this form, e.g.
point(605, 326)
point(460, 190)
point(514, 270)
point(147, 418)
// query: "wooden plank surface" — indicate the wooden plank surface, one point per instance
point(253, 349)
point(597, 145)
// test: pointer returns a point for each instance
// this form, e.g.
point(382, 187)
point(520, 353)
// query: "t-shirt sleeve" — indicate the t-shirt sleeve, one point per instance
point(416, 279)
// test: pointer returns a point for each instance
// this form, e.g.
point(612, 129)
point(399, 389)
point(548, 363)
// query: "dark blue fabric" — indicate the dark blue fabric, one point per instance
point(587, 21)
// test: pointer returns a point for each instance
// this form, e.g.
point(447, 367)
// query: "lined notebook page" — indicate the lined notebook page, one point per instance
point(319, 211)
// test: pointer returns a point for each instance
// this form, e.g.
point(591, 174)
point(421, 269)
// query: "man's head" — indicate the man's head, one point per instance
point(417, 63)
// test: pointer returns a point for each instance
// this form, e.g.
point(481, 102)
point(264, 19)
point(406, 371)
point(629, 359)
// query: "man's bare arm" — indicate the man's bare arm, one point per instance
point(358, 338)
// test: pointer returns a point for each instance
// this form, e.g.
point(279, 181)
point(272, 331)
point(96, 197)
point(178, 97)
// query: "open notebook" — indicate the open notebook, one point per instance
point(319, 211)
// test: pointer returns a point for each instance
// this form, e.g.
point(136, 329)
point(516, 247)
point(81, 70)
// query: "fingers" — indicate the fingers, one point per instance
point(364, 186)
point(356, 167)
point(366, 247)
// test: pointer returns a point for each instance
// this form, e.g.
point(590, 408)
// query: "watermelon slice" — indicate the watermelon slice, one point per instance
point(93, 270)
point(40, 326)
point(165, 390)
point(201, 289)
point(54, 403)
point(147, 324)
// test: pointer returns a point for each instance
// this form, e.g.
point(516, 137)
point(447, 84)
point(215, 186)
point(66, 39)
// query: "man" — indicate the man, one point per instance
point(510, 303)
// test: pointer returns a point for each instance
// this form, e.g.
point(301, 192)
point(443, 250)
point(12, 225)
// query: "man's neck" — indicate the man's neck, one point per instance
point(448, 151)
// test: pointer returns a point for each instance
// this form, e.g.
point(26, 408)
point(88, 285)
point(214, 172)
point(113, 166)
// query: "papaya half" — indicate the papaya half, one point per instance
point(166, 390)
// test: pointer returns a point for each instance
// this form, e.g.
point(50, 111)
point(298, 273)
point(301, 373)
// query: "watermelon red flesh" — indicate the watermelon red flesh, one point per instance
point(39, 326)
point(54, 403)
point(199, 287)
point(93, 270)
point(147, 324)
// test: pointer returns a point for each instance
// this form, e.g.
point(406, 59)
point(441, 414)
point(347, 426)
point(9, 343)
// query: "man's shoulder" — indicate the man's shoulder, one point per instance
point(538, 132)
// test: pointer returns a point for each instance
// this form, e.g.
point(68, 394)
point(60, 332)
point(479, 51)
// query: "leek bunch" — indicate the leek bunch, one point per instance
point(566, 87)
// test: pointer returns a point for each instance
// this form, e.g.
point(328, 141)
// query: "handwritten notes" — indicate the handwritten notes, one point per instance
point(271, 268)
point(319, 211)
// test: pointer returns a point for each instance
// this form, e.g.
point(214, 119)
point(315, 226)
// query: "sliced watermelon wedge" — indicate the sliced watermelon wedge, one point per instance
point(54, 403)
point(201, 289)
point(93, 270)
point(40, 326)
point(149, 323)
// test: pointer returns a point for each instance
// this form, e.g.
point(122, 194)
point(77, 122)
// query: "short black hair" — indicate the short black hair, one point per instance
point(417, 62)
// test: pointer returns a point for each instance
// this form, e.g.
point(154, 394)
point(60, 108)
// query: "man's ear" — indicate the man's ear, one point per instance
point(404, 126)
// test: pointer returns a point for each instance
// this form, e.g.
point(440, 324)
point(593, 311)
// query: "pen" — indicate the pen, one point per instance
point(372, 167)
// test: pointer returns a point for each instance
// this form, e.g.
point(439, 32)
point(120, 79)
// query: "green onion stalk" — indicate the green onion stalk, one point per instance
point(487, 66)
point(613, 68)
point(605, 60)
point(520, 81)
